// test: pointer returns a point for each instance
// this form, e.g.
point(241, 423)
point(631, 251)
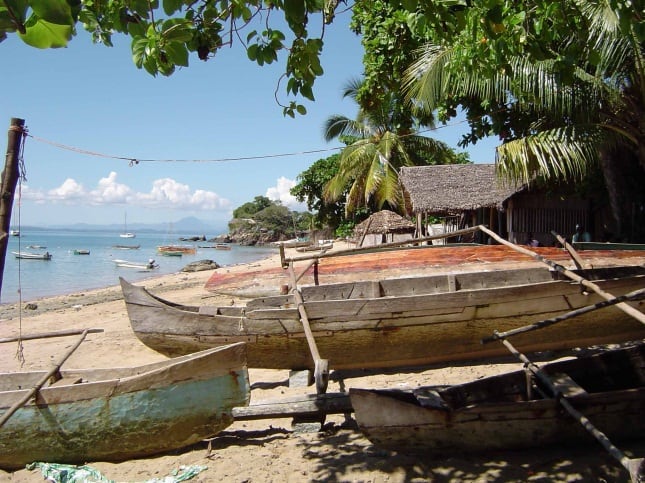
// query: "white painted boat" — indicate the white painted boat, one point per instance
point(33, 256)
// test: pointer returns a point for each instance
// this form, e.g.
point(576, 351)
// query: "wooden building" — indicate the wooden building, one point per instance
point(465, 195)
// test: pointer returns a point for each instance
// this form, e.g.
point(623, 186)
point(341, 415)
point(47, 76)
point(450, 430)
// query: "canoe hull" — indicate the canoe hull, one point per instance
point(404, 422)
point(167, 406)
point(355, 329)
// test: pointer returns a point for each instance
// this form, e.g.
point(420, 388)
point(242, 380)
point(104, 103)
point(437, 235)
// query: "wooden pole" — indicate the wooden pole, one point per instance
point(18, 404)
point(628, 309)
point(321, 366)
point(8, 186)
point(47, 335)
point(635, 295)
point(352, 251)
point(633, 466)
point(572, 251)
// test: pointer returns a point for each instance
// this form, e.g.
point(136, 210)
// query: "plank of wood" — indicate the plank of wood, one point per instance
point(308, 405)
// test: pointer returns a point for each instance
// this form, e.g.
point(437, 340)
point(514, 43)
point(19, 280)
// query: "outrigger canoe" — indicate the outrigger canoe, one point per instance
point(511, 411)
point(122, 413)
point(395, 322)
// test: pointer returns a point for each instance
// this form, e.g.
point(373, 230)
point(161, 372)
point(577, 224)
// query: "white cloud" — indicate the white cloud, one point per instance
point(280, 192)
point(165, 193)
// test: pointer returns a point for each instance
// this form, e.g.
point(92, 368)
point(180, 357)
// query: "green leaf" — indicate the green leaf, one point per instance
point(302, 110)
point(45, 35)
point(252, 52)
point(172, 6)
point(53, 11)
point(177, 53)
point(176, 30)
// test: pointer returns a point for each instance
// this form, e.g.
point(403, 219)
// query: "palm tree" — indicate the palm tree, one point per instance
point(594, 119)
point(379, 143)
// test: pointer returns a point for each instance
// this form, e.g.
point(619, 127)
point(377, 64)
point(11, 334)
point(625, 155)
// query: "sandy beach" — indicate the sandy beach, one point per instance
point(270, 450)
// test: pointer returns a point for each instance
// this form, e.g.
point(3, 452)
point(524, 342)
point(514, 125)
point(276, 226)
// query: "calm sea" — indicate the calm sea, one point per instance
point(67, 272)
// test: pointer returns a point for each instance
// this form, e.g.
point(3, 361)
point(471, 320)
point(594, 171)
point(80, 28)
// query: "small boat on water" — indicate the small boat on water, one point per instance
point(33, 256)
point(187, 249)
point(126, 233)
point(171, 253)
point(149, 265)
point(395, 322)
point(36, 247)
point(14, 232)
point(222, 246)
point(81, 252)
point(511, 411)
point(118, 414)
point(126, 247)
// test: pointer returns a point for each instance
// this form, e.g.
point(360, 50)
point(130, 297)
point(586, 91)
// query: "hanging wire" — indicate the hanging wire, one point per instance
point(22, 176)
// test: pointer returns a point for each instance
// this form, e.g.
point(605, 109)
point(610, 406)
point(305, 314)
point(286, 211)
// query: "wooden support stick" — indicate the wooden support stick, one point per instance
point(633, 466)
point(46, 335)
point(572, 251)
point(635, 295)
point(628, 309)
point(381, 247)
point(18, 404)
point(321, 366)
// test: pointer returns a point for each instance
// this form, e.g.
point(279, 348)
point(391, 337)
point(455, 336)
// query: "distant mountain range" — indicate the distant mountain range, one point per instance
point(189, 226)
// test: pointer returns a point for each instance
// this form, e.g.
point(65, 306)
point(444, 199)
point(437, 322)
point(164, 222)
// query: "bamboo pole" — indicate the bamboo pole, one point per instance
point(637, 314)
point(633, 466)
point(321, 366)
point(18, 404)
point(10, 177)
point(635, 295)
point(47, 335)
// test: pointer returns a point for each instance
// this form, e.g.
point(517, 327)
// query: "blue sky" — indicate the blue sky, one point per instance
point(93, 99)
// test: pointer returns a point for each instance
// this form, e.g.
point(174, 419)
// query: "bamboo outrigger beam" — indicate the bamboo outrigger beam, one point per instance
point(572, 251)
point(635, 295)
point(308, 406)
point(18, 404)
point(321, 366)
point(635, 466)
point(637, 314)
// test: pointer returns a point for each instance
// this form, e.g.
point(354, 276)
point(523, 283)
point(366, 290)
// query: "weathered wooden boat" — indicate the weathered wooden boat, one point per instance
point(397, 262)
point(316, 247)
point(223, 246)
point(513, 410)
point(608, 246)
point(149, 265)
point(122, 413)
point(176, 249)
point(33, 256)
point(394, 322)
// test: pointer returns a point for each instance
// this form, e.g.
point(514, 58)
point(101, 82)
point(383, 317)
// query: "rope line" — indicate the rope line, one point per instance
point(134, 160)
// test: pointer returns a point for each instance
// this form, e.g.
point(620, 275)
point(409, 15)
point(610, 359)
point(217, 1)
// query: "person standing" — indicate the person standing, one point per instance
point(580, 235)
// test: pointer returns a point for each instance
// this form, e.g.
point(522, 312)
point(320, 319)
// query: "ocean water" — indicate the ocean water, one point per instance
point(67, 272)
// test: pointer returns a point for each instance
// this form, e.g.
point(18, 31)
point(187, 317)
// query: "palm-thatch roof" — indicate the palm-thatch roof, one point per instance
point(454, 188)
point(384, 221)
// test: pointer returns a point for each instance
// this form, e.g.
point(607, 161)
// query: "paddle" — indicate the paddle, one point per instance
point(18, 404)
point(635, 466)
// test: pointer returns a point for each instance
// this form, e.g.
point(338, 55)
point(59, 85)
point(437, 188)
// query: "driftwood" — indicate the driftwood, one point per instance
point(637, 314)
point(18, 404)
point(47, 335)
point(635, 467)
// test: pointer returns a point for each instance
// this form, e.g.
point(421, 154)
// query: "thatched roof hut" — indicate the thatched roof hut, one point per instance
point(383, 222)
point(454, 188)
point(384, 226)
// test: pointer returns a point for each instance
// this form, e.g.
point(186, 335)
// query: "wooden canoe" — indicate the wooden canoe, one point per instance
point(404, 262)
point(496, 413)
point(394, 322)
point(122, 413)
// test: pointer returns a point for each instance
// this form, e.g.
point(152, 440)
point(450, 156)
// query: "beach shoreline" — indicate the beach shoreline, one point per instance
point(270, 450)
